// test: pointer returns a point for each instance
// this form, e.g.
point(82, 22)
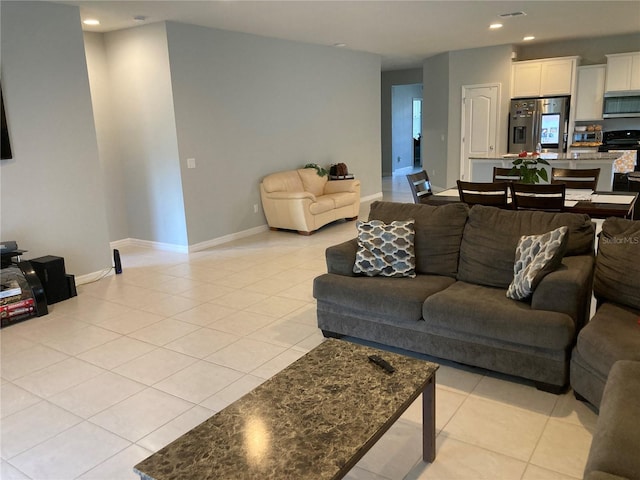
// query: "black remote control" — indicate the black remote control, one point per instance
point(382, 363)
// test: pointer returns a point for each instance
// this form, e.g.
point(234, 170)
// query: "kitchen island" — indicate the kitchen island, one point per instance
point(482, 167)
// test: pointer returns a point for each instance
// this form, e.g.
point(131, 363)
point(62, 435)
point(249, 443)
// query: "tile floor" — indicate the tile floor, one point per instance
point(136, 360)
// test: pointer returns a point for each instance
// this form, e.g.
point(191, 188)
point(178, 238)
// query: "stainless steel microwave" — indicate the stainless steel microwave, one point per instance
point(621, 104)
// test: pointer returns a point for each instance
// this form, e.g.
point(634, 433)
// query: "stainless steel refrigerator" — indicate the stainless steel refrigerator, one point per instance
point(538, 120)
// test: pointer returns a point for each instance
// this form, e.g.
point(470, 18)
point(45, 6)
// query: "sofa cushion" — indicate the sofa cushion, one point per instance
point(385, 249)
point(438, 232)
point(466, 309)
point(311, 181)
point(342, 199)
point(617, 276)
point(398, 300)
point(536, 256)
point(612, 334)
point(487, 251)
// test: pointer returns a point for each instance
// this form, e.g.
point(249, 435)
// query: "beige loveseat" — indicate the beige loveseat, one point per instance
point(304, 201)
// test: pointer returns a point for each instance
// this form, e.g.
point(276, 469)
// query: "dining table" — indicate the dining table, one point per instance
point(596, 204)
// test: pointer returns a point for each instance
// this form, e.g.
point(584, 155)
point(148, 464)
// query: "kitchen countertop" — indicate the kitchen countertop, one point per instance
point(600, 156)
point(609, 163)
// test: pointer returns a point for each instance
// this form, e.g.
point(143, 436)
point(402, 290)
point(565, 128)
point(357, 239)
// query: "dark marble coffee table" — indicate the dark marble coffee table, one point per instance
point(313, 420)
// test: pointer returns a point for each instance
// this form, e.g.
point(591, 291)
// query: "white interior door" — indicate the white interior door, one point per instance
point(479, 124)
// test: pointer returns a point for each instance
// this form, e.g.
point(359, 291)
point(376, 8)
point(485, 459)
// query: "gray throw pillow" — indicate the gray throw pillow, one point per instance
point(617, 277)
point(385, 249)
point(536, 256)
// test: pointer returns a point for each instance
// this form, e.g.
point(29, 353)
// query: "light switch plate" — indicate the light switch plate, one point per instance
point(191, 163)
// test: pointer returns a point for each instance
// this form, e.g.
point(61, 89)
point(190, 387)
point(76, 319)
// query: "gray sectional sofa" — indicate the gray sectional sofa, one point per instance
point(615, 448)
point(456, 307)
point(614, 332)
point(605, 364)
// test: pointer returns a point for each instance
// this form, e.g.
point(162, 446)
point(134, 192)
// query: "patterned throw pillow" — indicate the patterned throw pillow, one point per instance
point(385, 249)
point(536, 256)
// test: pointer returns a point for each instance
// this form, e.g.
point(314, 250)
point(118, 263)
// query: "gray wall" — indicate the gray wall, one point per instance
point(476, 67)
point(591, 50)
point(52, 199)
point(247, 106)
point(143, 122)
point(444, 76)
point(108, 146)
point(389, 79)
point(435, 118)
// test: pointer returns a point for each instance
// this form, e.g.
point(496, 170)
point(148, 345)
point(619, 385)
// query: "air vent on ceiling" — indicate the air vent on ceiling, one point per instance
point(512, 14)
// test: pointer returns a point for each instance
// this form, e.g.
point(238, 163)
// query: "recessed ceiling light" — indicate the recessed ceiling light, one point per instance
point(91, 21)
point(528, 38)
point(512, 14)
point(340, 45)
point(494, 26)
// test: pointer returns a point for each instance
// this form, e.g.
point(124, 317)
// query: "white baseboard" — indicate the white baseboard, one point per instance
point(371, 198)
point(136, 242)
point(125, 242)
point(227, 238)
point(93, 277)
point(170, 247)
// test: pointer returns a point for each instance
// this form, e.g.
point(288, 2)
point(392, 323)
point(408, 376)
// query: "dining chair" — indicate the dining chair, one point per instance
point(420, 186)
point(504, 175)
point(547, 197)
point(576, 177)
point(493, 194)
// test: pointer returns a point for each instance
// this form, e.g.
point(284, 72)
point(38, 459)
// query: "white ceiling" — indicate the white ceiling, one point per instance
point(402, 32)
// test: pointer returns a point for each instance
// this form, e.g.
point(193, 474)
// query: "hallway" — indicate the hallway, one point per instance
point(396, 187)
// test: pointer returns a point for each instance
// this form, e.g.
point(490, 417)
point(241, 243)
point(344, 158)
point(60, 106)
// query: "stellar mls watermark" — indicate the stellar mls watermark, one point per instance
point(621, 240)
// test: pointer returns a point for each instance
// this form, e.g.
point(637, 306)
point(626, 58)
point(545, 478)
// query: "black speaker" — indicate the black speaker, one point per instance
point(116, 261)
point(50, 271)
point(71, 285)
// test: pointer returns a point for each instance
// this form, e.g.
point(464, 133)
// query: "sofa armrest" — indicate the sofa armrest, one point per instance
point(617, 437)
point(342, 257)
point(290, 195)
point(568, 289)
point(336, 186)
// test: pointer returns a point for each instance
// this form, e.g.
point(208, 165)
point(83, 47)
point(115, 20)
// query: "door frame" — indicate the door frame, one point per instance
point(413, 100)
point(463, 133)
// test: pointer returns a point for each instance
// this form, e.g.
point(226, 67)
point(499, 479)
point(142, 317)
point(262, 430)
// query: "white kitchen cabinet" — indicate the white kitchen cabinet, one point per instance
point(525, 79)
point(590, 91)
point(623, 72)
point(558, 77)
point(542, 78)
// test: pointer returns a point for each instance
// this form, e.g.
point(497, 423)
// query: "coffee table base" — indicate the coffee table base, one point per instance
point(429, 421)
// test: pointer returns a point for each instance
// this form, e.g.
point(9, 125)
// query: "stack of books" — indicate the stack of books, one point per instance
point(12, 303)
